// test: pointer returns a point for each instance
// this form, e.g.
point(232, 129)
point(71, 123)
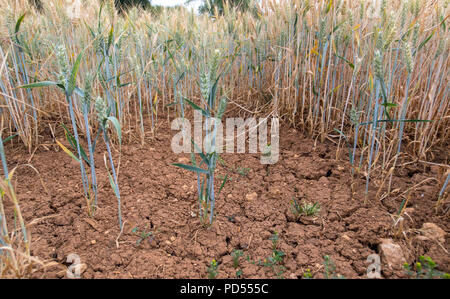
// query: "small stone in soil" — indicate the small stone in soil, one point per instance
point(251, 196)
point(392, 253)
point(183, 160)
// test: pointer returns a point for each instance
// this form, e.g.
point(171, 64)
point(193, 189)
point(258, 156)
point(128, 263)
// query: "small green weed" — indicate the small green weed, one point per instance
point(212, 269)
point(275, 263)
point(143, 235)
point(330, 269)
point(307, 274)
point(425, 268)
point(239, 273)
point(306, 208)
point(275, 260)
point(236, 255)
point(243, 171)
point(274, 238)
point(267, 150)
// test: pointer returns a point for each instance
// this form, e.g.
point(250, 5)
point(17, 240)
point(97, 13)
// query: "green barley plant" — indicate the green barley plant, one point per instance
point(213, 111)
point(67, 83)
point(86, 103)
point(104, 119)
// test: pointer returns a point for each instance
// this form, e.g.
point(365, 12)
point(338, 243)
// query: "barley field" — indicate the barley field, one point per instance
point(356, 94)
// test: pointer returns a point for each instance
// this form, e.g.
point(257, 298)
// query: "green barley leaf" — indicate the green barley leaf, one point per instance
point(79, 91)
point(73, 75)
point(171, 104)
point(348, 62)
point(73, 144)
point(38, 84)
point(110, 38)
point(330, 3)
point(116, 125)
point(90, 29)
point(223, 184)
point(190, 168)
point(402, 205)
point(18, 23)
point(67, 151)
point(205, 159)
point(196, 107)
point(387, 104)
point(337, 26)
point(9, 138)
point(425, 41)
point(113, 185)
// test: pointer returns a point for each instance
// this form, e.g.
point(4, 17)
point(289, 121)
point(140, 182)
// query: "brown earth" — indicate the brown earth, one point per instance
point(162, 199)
